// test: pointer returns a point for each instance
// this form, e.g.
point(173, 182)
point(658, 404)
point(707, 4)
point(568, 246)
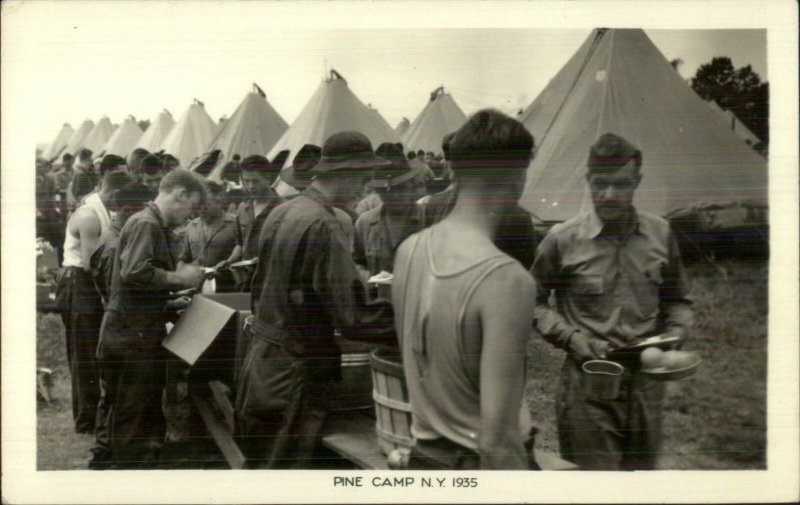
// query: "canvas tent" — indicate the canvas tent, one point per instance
point(440, 116)
point(733, 122)
point(333, 108)
point(252, 129)
point(153, 138)
point(97, 138)
point(54, 149)
point(402, 126)
point(124, 139)
point(619, 82)
point(221, 123)
point(75, 141)
point(190, 136)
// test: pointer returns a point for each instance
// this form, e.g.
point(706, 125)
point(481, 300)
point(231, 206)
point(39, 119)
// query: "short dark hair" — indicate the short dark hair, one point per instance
point(214, 188)
point(136, 157)
point(151, 164)
point(411, 155)
point(114, 181)
point(67, 157)
point(134, 194)
point(168, 160)
point(488, 143)
point(110, 162)
point(612, 152)
point(85, 154)
point(256, 163)
point(182, 179)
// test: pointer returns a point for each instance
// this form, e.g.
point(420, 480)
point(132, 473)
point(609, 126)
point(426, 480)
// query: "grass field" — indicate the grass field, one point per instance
point(714, 420)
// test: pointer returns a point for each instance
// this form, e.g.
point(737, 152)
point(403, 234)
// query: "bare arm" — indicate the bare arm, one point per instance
point(506, 314)
point(87, 227)
point(235, 256)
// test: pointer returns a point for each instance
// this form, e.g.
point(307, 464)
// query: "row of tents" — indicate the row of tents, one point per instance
point(617, 81)
point(256, 127)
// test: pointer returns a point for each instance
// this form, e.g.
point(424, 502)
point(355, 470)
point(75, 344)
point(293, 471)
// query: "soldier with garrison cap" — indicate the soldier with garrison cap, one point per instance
point(617, 277)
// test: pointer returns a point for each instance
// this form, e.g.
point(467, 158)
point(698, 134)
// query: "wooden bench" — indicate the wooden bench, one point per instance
point(358, 443)
point(351, 435)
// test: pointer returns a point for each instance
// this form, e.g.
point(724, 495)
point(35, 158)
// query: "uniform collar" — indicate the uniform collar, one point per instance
point(596, 227)
point(317, 195)
point(154, 209)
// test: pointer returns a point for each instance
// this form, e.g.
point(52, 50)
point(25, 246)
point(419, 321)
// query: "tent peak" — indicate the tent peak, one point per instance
point(257, 89)
point(336, 76)
point(198, 102)
point(437, 92)
point(168, 112)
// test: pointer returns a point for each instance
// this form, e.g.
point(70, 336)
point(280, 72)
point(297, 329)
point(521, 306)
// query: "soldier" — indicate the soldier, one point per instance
point(617, 277)
point(309, 285)
point(79, 302)
point(145, 272)
point(463, 312)
point(380, 230)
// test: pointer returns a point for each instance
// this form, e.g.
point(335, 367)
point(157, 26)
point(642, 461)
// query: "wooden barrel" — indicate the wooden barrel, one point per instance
point(392, 405)
point(354, 392)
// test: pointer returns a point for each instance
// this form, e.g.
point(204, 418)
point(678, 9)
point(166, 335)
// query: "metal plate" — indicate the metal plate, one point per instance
point(662, 374)
point(656, 340)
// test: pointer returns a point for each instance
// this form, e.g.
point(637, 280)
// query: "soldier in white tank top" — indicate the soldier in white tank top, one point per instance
point(464, 311)
point(79, 302)
point(72, 244)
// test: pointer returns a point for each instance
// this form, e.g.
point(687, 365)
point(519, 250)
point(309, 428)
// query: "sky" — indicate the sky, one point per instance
point(113, 60)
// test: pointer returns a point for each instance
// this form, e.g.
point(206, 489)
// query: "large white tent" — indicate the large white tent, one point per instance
point(97, 138)
point(333, 108)
point(619, 82)
point(124, 138)
point(191, 135)
point(440, 116)
point(252, 129)
point(57, 146)
point(75, 141)
point(155, 134)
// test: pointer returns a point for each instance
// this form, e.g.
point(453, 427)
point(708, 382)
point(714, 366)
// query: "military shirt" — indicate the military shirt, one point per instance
point(208, 244)
point(144, 256)
point(378, 234)
point(615, 287)
point(248, 225)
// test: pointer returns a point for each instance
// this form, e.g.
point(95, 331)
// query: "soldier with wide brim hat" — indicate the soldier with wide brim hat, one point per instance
point(299, 175)
point(397, 171)
point(346, 153)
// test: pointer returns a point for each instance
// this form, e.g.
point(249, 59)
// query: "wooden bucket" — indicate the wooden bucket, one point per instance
point(392, 405)
point(355, 390)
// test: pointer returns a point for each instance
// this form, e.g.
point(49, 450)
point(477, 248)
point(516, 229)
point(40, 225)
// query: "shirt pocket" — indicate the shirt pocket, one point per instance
point(587, 292)
point(648, 286)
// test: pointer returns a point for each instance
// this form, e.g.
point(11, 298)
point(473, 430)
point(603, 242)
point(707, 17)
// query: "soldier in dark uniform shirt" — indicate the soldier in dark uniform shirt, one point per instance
point(258, 174)
point(145, 272)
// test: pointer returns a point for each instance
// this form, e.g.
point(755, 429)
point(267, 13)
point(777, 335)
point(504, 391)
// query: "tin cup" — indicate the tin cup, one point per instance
point(602, 379)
